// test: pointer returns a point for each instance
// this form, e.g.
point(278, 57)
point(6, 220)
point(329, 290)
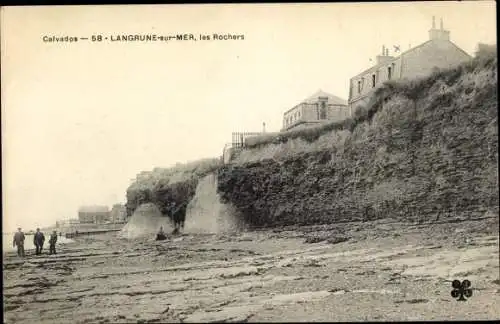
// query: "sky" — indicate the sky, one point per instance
point(81, 119)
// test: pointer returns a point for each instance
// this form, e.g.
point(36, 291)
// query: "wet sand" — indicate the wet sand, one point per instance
point(348, 272)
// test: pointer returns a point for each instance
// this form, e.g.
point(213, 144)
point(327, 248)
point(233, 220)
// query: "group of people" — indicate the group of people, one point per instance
point(38, 241)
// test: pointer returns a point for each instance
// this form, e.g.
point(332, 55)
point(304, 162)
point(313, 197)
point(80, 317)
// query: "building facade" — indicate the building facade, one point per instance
point(93, 214)
point(118, 213)
point(319, 108)
point(437, 52)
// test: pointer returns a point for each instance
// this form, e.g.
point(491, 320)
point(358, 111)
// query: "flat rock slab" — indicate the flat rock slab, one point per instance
point(283, 279)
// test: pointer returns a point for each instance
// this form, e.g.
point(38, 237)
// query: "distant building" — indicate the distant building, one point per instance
point(319, 108)
point(118, 213)
point(93, 214)
point(67, 222)
point(437, 52)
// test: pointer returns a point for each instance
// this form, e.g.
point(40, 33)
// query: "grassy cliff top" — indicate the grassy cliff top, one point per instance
point(178, 173)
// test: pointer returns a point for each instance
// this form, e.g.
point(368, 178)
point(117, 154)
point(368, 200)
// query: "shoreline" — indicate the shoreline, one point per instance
point(382, 271)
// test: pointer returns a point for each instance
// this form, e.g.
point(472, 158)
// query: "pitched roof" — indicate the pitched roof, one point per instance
point(93, 209)
point(405, 53)
point(332, 99)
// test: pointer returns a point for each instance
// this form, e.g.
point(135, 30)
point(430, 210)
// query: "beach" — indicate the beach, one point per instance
point(380, 270)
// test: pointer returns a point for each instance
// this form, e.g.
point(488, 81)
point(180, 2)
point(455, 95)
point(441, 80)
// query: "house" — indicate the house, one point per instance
point(93, 214)
point(437, 52)
point(318, 108)
point(118, 213)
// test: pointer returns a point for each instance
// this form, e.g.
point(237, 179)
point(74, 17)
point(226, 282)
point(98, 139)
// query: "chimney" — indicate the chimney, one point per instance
point(438, 34)
point(385, 55)
point(263, 127)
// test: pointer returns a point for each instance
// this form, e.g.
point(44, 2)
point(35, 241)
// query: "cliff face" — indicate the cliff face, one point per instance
point(164, 186)
point(422, 150)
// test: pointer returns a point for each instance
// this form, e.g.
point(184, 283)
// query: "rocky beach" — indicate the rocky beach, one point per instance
point(381, 270)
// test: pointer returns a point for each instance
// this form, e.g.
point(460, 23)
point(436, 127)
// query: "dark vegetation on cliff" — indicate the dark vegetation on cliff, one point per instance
point(162, 186)
point(424, 150)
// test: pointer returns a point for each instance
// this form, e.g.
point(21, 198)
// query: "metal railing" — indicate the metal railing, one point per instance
point(237, 143)
point(238, 138)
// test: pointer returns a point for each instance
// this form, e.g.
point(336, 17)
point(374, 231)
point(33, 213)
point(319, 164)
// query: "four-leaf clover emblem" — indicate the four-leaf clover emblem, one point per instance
point(461, 290)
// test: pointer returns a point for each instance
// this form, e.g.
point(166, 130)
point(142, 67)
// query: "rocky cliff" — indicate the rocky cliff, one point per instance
point(424, 150)
point(162, 186)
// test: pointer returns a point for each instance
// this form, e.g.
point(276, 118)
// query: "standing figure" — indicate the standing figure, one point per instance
point(178, 216)
point(52, 243)
point(19, 241)
point(38, 241)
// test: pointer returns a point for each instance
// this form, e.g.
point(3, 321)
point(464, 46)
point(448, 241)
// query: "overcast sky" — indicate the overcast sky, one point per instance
point(79, 120)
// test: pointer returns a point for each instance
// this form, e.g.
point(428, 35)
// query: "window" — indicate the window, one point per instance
point(359, 86)
point(374, 80)
point(389, 73)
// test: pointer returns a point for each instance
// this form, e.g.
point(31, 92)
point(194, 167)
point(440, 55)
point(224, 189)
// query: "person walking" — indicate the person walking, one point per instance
point(38, 241)
point(52, 243)
point(19, 242)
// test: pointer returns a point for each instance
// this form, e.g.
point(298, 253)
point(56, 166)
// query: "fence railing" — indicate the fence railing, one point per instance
point(238, 138)
point(237, 143)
